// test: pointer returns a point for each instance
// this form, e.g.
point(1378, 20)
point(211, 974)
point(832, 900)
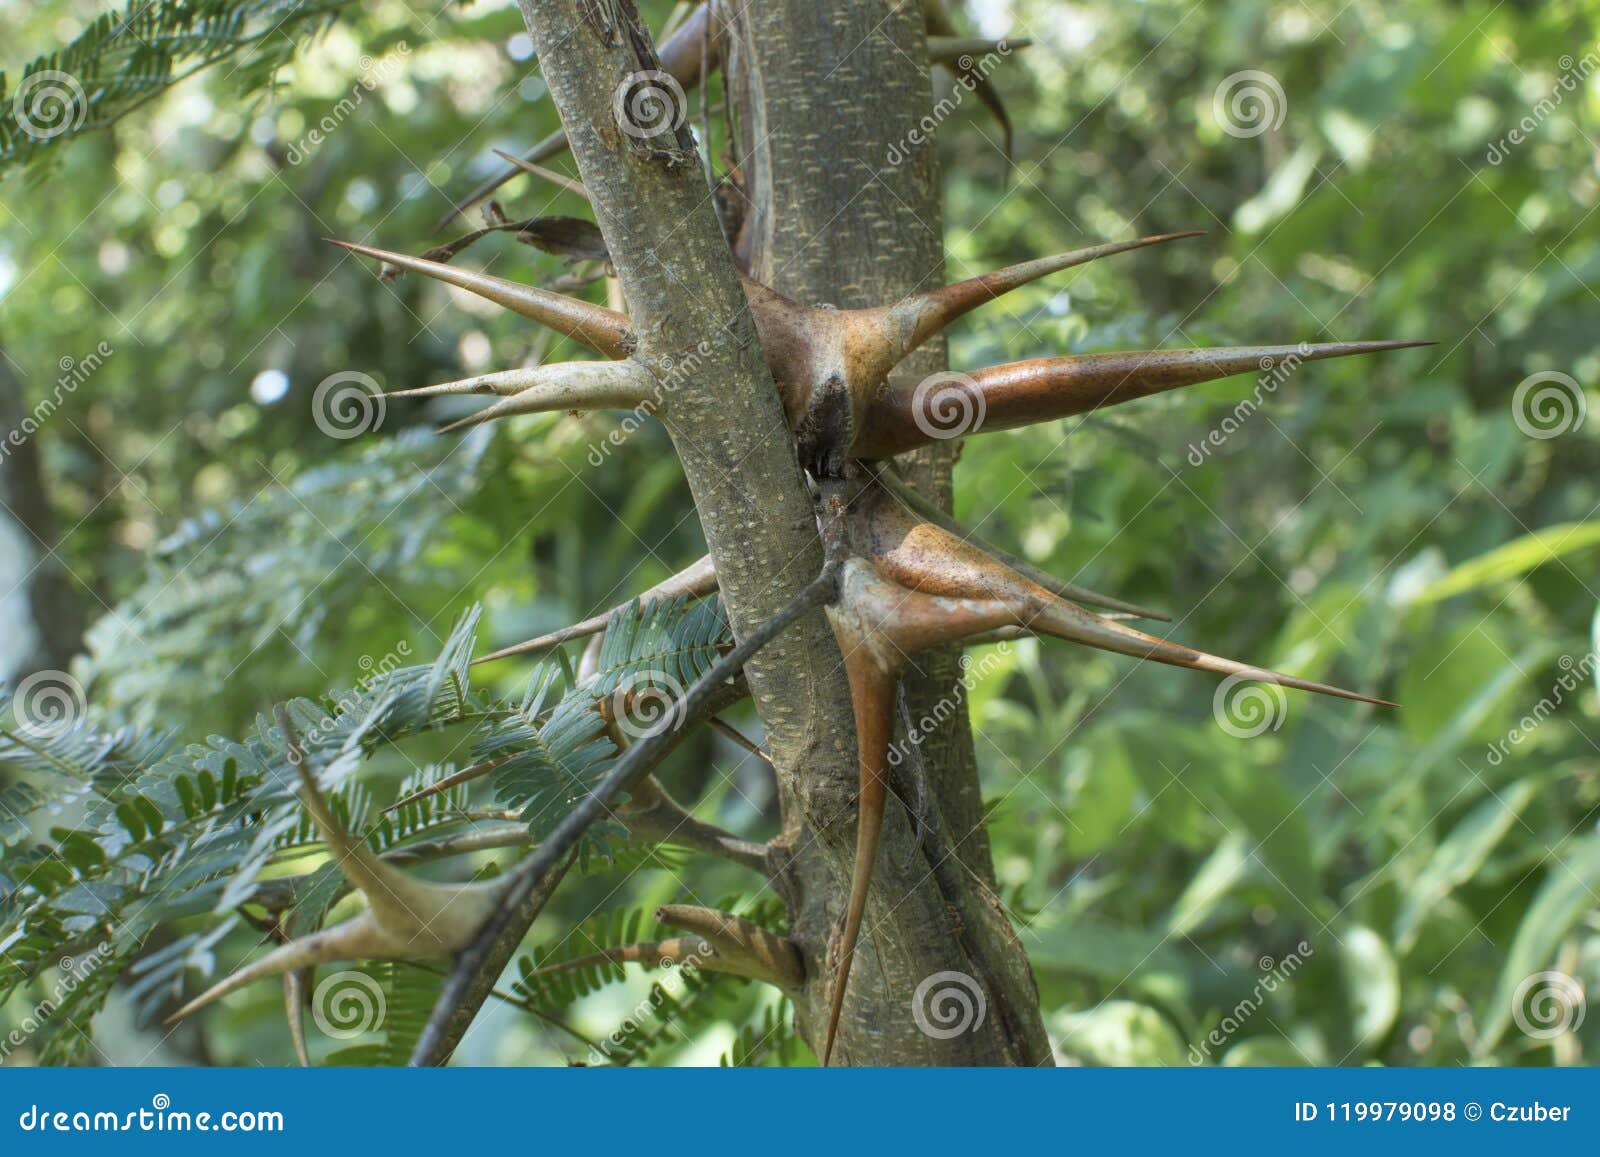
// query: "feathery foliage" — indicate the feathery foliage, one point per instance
point(124, 59)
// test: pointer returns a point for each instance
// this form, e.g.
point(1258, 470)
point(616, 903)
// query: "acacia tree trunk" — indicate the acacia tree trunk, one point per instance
point(823, 89)
point(829, 91)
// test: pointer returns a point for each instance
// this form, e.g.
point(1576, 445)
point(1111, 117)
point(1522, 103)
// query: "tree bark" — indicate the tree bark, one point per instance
point(828, 93)
point(926, 923)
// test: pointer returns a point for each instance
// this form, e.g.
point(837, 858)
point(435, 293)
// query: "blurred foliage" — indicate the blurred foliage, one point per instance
point(1348, 885)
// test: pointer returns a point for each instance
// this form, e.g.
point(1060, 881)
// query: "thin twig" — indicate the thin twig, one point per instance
point(536, 878)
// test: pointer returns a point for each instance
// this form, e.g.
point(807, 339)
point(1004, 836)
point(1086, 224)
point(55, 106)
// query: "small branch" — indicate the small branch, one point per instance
point(536, 878)
point(655, 815)
point(738, 738)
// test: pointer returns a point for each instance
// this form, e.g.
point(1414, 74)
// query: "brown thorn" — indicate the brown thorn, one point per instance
point(456, 779)
point(538, 170)
point(603, 330)
point(696, 580)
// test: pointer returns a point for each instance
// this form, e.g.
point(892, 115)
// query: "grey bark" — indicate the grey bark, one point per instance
point(720, 407)
point(845, 210)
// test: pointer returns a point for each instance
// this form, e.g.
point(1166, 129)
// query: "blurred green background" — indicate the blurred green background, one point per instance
point(1346, 885)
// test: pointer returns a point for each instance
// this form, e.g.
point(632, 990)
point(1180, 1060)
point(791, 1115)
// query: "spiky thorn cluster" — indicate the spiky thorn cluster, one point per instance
point(832, 366)
point(696, 49)
point(405, 918)
point(913, 579)
point(910, 583)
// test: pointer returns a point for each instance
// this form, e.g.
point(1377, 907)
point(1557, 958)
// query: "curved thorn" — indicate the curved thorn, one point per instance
point(294, 1008)
point(359, 938)
point(1065, 621)
point(1042, 390)
point(744, 946)
point(1050, 582)
point(928, 559)
point(928, 313)
point(871, 697)
point(502, 383)
point(560, 180)
point(572, 386)
point(696, 580)
point(603, 330)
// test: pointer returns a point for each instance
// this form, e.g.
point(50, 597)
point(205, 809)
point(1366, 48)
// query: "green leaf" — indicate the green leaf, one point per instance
point(1372, 986)
point(1566, 896)
point(1121, 1033)
point(1516, 557)
point(1460, 857)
